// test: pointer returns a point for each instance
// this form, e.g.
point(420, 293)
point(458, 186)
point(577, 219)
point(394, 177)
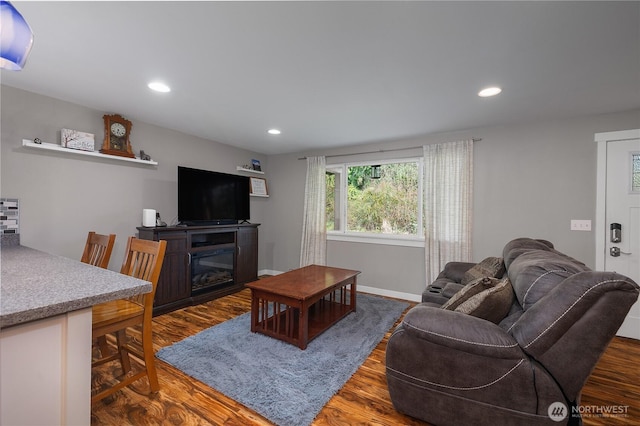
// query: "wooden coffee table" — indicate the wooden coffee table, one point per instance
point(299, 305)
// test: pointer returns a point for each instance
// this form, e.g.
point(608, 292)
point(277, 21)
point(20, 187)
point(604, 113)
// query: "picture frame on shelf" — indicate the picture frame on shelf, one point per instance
point(258, 187)
point(75, 139)
point(256, 165)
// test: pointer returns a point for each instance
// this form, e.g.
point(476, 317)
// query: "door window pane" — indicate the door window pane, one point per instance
point(635, 172)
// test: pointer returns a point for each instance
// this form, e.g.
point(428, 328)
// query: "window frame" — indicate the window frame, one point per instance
point(415, 240)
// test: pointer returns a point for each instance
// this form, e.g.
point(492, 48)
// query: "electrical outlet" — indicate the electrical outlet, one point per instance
point(580, 225)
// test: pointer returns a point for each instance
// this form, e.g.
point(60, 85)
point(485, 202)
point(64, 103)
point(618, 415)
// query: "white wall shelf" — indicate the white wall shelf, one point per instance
point(243, 169)
point(261, 196)
point(58, 148)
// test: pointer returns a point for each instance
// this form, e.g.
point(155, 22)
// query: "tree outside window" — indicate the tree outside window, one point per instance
point(388, 205)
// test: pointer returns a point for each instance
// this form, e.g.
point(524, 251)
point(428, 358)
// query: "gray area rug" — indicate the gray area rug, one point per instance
point(286, 385)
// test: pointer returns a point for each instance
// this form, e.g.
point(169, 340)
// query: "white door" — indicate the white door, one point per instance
point(621, 252)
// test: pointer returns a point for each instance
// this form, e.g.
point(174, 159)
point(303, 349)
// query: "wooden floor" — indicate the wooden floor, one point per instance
point(364, 400)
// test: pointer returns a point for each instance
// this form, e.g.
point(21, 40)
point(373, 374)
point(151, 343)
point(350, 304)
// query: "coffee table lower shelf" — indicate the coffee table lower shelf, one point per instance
point(285, 325)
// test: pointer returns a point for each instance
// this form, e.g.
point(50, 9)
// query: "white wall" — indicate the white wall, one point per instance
point(529, 179)
point(62, 197)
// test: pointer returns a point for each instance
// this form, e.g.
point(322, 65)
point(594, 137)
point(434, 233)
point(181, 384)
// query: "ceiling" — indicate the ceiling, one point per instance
point(332, 74)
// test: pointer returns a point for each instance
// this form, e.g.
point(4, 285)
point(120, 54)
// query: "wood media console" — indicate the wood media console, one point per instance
point(203, 262)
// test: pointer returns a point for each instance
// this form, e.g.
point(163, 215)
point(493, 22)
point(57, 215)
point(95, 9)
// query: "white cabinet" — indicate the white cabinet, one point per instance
point(45, 371)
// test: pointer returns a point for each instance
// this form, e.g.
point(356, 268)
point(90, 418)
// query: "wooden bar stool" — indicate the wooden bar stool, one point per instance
point(97, 250)
point(143, 260)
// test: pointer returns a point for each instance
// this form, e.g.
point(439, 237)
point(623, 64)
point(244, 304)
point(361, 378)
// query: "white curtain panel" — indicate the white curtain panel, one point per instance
point(448, 199)
point(314, 228)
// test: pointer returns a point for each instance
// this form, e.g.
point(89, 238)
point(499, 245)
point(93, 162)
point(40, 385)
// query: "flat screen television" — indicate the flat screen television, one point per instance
point(212, 198)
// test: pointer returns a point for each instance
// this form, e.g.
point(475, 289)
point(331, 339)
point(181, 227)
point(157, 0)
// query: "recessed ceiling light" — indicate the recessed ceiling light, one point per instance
point(489, 91)
point(274, 131)
point(159, 87)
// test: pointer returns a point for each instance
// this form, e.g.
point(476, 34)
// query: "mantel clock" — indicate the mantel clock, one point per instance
point(116, 136)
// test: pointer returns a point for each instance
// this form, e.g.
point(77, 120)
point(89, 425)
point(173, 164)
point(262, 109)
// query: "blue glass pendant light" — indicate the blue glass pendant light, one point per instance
point(16, 38)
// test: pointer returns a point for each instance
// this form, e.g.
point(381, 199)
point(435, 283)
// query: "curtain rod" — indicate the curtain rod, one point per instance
point(379, 151)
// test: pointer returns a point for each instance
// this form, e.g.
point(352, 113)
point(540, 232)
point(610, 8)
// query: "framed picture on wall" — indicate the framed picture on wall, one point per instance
point(259, 187)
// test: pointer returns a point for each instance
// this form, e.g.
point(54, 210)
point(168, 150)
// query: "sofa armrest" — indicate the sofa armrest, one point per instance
point(450, 368)
point(594, 302)
point(568, 329)
point(454, 271)
point(460, 332)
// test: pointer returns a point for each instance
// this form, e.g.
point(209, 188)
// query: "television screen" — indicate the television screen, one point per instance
point(206, 197)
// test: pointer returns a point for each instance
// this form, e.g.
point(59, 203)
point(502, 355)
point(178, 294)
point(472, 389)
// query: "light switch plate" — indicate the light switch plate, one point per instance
point(580, 225)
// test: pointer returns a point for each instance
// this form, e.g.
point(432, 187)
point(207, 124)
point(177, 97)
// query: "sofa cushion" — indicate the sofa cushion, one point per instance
point(535, 273)
point(467, 292)
point(515, 248)
point(454, 271)
point(492, 304)
point(451, 288)
point(489, 267)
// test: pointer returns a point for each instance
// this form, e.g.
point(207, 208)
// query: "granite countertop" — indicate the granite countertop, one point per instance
point(36, 285)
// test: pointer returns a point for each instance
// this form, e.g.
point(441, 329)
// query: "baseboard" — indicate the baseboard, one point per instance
point(630, 328)
point(366, 289)
point(390, 293)
point(268, 272)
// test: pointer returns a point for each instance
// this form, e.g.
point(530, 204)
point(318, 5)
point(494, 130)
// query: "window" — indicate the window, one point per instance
point(361, 204)
point(635, 172)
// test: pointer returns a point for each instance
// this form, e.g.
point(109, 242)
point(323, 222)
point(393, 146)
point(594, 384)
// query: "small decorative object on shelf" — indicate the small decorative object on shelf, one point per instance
point(38, 141)
point(116, 136)
point(145, 157)
point(259, 187)
point(256, 165)
point(75, 139)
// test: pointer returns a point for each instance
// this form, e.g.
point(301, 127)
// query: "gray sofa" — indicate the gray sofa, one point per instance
point(452, 367)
